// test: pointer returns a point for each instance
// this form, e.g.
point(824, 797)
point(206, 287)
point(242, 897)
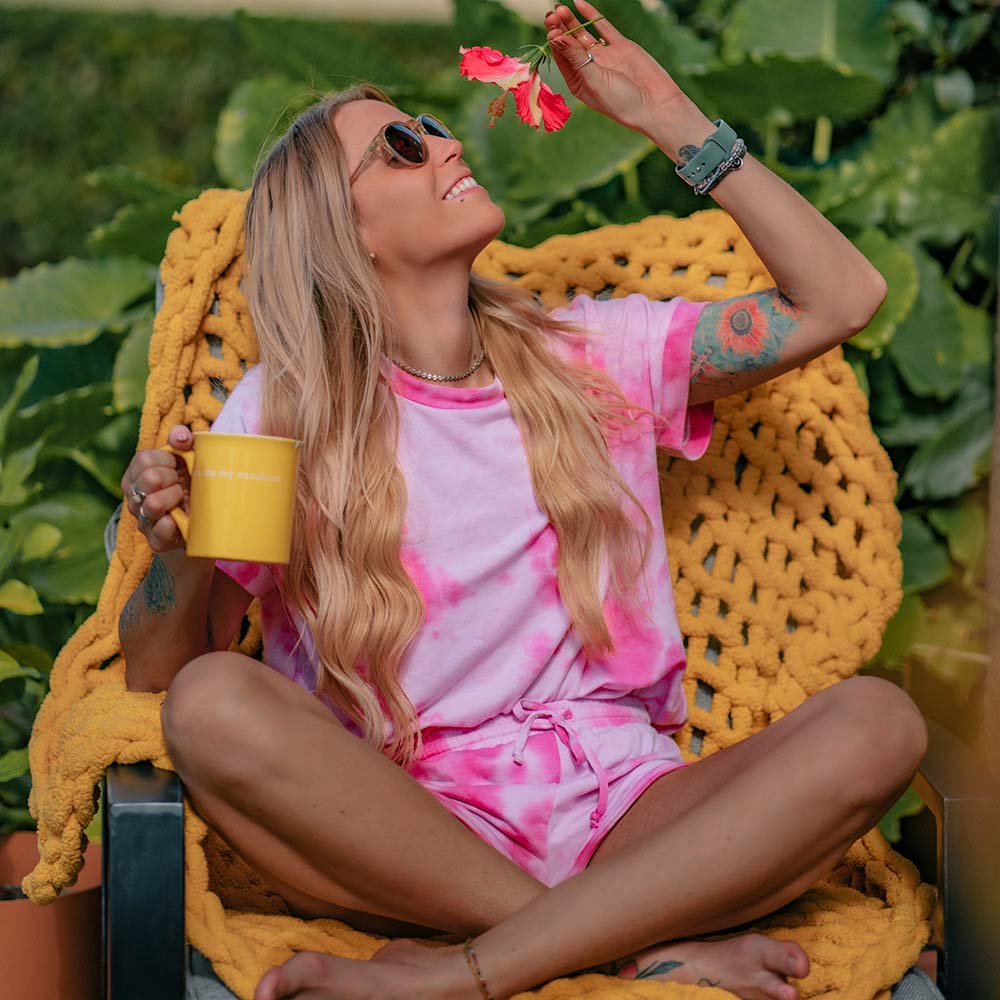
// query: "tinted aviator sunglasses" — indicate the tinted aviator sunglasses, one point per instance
point(405, 141)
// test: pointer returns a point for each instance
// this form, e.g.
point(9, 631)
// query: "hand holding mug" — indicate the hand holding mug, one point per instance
point(164, 483)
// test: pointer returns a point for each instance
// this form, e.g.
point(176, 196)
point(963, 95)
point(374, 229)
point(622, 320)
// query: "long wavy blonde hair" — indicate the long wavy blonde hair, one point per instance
point(323, 322)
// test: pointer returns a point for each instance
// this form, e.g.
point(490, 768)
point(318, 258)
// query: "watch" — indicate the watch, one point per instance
point(712, 152)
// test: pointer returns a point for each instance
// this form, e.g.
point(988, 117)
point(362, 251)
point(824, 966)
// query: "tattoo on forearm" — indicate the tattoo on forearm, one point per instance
point(686, 152)
point(130, 613)
point(741, 335)
point(158, 588)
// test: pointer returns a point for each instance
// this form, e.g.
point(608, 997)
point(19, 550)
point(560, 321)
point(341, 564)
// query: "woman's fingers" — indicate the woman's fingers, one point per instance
point(604, 27)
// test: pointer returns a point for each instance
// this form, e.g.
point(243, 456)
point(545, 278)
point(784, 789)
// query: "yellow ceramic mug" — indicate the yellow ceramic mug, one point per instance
point(242, 496)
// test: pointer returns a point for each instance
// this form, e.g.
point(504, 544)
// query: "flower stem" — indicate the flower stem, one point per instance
point(542, 51)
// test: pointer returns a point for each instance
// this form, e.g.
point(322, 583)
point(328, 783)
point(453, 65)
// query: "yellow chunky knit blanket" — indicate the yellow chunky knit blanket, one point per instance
point(783, 544)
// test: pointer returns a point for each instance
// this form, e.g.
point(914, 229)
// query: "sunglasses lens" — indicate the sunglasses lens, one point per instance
point(406, 143)
point(435, 127)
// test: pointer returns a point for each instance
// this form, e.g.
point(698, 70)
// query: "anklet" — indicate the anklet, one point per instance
point(470, 957)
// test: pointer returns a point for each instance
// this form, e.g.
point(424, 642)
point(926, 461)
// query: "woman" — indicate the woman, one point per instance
point(522, 794)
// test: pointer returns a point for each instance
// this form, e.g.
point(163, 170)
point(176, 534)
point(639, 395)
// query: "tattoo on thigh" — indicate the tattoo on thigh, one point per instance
point(158, 588)
point(211, 636)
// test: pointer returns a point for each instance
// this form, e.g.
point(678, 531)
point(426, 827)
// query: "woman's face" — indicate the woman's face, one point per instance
point(404, 217)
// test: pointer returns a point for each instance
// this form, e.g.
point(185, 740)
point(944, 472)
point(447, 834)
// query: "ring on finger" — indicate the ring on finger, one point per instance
point(142, 516)
point(137, 495)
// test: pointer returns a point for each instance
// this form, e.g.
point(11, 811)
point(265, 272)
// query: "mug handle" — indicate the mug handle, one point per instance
point(177, 513)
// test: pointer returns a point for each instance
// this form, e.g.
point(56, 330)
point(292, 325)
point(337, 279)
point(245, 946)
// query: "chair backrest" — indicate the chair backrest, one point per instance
point(782, 539)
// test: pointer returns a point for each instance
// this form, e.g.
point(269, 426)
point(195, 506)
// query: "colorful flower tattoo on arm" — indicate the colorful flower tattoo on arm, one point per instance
point(740, 335)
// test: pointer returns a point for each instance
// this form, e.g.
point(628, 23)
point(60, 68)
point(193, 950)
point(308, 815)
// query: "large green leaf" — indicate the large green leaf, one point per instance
point(964, 524)
point(21, 384)
point(131, 368)
point(18, 597)
point(927, 345)
point(897, 267)
point(256, 115)
point(925, 559)
point(140, 230)
point(327, 53)
point(855, 34)
point(13, 764)
point(16, 468)
point(68, 419)
point(886, 150)
point(795, 87)
point(487, 22)
point(124, 181)
point(75, 572)
point(908, 804)
point(958, 186)
point(952, 459)
point(50, 305)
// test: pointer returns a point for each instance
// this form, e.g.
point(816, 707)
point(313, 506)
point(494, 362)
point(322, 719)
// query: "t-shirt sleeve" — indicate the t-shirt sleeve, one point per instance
point(645, 345)
point(240, 414)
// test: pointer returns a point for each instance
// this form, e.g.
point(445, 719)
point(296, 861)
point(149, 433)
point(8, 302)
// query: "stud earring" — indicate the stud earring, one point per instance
point(372, 257)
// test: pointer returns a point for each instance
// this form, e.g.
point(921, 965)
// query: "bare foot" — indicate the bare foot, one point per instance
point(403, 970)
point(752, 966)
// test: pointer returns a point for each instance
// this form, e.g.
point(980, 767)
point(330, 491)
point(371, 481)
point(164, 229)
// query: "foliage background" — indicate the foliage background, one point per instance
point(883, 114)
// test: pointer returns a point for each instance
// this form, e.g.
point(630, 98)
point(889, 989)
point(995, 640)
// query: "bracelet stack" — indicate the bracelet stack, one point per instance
point(470, 957)
point(721, 152)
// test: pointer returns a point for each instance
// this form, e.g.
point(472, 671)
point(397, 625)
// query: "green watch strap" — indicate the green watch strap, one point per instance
point(713, 151)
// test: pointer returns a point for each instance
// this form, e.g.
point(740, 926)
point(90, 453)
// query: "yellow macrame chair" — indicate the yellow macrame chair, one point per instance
point(783, 546)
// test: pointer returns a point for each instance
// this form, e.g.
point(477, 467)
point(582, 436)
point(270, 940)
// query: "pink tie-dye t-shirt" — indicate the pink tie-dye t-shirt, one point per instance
point(483, 554)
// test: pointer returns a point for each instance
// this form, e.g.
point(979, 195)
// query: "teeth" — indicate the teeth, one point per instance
point(461, 186)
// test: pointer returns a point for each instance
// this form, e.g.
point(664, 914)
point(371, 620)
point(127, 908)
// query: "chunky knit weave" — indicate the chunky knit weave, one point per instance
point(783, 546)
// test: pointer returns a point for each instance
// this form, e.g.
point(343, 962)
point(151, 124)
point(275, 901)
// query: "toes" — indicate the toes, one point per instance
point(786, 958)
point(777, 989)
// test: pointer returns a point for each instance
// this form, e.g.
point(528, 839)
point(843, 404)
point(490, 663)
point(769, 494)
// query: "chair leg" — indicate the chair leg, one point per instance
point(142, 894)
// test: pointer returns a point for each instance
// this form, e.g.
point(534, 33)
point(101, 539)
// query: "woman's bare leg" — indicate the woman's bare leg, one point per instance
point(749, 833)
point(334, 826)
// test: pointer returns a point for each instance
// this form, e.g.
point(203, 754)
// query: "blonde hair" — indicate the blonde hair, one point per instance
point(322, 322)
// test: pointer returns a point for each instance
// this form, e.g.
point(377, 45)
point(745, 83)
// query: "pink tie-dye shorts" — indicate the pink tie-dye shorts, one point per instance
point(545, 784)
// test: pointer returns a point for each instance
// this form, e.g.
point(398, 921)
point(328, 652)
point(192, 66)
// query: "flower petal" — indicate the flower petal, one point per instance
point(526, 96)
point(555, 111)
point(480, 62)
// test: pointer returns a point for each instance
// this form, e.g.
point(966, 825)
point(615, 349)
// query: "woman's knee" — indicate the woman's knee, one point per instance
point(881, 733)
point(207, 699)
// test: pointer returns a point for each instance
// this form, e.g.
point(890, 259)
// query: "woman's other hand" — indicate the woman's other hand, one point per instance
point(623, 81)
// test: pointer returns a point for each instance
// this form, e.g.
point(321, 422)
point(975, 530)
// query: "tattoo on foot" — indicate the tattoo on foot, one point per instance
point(158, 588)
point(658, 969)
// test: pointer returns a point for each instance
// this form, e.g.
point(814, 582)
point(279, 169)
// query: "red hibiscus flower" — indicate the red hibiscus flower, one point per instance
point(537, 103)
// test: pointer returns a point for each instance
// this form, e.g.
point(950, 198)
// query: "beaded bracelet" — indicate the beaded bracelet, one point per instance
point(470, 957)
point(733, 162)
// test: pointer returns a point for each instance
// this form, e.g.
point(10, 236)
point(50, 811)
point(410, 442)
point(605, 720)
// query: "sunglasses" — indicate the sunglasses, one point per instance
point(404, 141)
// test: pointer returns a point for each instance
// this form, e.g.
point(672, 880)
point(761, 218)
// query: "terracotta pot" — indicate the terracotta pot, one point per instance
point(49, 952)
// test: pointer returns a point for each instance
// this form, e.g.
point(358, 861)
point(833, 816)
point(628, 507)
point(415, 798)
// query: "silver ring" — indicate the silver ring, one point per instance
point(589, 59)
point(143, 517)
point(138, 495)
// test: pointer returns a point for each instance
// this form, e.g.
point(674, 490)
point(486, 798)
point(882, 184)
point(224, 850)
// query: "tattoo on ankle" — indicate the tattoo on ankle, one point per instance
point(158, 587)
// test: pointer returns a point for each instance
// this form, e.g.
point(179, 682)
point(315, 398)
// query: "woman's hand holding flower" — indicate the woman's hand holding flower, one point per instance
point(623, 81)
